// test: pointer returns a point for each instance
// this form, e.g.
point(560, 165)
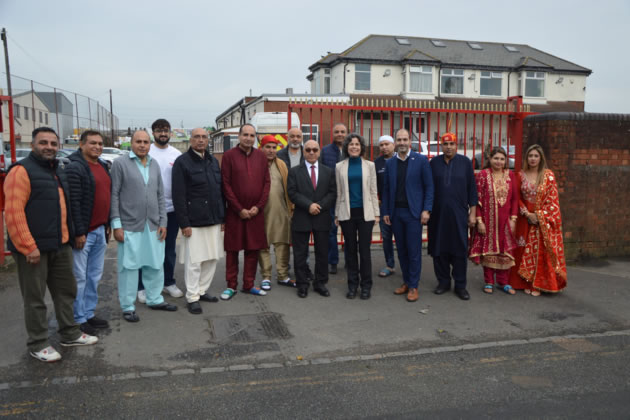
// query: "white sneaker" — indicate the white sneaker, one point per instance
point(83, 340)
point(49, 354)
point(142, 296)
point(173, 290)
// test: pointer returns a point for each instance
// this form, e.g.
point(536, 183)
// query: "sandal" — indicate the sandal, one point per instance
point(488, 288)
point(265, 284)
point(227, 294)
point(386, 272)
point(535, 293)
point(527, 291)
point(131, 316)
point(288, 282)
point(509, 289)
point(254, 291)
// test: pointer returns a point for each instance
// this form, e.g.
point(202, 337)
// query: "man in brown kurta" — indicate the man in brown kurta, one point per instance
point(277, 218)
point(246, 183)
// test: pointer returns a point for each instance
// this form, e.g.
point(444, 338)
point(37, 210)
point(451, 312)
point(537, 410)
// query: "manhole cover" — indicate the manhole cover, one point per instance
point(249, 328)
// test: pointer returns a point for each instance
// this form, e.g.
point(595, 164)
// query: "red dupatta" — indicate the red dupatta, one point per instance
point(544, 241)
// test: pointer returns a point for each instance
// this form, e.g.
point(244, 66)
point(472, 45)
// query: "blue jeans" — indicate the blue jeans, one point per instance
point(388, 245)
point(408, 232)
point(172, 229)
point(87, 266)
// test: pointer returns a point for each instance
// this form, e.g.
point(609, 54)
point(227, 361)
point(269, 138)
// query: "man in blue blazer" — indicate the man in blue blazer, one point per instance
point(407, 203)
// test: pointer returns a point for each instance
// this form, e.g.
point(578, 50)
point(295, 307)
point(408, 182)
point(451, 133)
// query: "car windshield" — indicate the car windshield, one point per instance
point(22, 152)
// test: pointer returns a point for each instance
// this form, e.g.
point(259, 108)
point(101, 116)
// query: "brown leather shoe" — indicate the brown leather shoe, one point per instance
point(412, 296)
point(401, 290)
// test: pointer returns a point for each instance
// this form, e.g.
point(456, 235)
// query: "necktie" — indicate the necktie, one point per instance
point(313, 177)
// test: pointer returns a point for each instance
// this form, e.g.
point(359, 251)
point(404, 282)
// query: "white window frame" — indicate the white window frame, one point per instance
point(327, 83)
point(491, 75)
point(452, 73)
point(306, 132)
point(421, 71)
point(369, 75)
point(538, 76)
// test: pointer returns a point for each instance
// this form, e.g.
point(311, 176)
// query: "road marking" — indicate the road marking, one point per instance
point(581, 345)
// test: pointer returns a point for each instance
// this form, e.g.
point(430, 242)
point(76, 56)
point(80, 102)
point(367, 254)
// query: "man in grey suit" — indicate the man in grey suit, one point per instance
point(138, 218)
point(312, 188)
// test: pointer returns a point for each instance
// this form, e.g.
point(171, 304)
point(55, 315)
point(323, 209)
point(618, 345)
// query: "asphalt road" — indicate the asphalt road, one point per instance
point(580, 377)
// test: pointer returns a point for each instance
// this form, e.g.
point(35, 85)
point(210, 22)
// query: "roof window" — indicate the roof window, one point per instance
point(438, 43)
point(475, 46)
point(511, 48)
point(403, 41)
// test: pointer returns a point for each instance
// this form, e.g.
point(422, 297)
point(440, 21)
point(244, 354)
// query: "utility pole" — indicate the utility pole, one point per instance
point(111, 116)
point(6, 60)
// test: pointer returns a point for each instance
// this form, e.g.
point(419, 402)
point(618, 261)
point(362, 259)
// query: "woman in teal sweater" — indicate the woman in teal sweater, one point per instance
point(357, 210)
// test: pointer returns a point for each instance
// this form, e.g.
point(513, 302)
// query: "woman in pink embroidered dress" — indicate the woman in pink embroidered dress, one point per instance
point(493, 236)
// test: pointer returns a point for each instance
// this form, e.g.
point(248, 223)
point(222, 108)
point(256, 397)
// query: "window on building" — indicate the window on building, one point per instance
point(420, 79)
point(452, 81)
point(33, 109)
point(326, 81)
point(362, 77)
point(46, 115)
point(535, 84)
point(41, 117)
point(318, 83)
point(491, 83)
point(16, 109)
point(438, 43)
point(307, 129)
point(26, 113)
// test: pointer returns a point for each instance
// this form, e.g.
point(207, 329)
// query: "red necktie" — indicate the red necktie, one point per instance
point(313, 177)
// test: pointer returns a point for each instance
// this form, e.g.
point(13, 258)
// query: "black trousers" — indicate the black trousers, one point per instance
point(300, 252)
point(442, 268)
point(357, 234)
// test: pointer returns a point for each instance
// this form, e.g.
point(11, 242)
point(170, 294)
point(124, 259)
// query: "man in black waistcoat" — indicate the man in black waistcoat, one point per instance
point(39, 225)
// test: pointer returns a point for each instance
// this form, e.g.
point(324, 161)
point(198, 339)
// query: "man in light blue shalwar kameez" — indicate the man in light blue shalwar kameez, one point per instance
point(138, 217)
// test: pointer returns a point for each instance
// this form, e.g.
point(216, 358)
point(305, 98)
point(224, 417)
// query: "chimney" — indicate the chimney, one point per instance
point(289, 91)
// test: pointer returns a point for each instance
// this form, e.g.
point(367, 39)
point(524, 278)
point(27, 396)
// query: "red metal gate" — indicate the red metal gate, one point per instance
point(477, 126)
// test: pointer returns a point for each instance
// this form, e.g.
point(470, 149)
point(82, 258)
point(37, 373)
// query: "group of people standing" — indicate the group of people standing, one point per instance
point(59, 221)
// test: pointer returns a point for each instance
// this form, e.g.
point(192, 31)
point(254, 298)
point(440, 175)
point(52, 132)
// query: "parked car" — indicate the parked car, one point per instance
point(478, 161)
point(62, 155)
point(110, 154)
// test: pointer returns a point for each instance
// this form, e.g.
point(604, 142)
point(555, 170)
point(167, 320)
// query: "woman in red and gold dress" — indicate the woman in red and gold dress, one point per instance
point(540, 264)
point(492, 238)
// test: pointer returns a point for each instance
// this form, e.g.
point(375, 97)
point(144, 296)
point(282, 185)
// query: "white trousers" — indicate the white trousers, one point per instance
point(198, 277)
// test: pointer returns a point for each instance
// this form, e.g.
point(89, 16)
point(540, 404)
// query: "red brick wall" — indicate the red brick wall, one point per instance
point(590, 155)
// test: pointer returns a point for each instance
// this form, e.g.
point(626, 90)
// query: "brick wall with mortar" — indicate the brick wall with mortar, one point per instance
point(590, 155)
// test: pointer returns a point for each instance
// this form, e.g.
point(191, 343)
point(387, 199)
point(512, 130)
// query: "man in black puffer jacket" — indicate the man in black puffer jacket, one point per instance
point(90, 196)
point(200, 210)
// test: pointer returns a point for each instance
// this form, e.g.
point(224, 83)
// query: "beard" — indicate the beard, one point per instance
point(161, 142)
point(294, 146)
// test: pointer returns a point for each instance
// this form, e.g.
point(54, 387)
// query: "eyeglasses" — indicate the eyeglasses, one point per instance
point(309, 150)
point(162, 130)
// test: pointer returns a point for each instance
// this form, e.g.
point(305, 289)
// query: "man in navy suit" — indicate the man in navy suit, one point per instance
point(312, 188)
point(407, 203)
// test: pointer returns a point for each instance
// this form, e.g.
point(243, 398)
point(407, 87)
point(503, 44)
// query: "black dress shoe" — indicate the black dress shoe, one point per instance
point(163, 307)
point(98, 322)
point(332, 269)
point(302, 292)
point(194, 308)
point(462, 294)
point(441, 290)
point(322, 290)
point(207, 298)
point(351, 294)
point(365, 294)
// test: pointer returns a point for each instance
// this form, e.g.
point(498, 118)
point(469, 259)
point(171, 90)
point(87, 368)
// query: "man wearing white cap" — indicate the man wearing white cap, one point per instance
point(387, 147)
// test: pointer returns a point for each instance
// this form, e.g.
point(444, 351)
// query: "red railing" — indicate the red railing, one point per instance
point(478, 126)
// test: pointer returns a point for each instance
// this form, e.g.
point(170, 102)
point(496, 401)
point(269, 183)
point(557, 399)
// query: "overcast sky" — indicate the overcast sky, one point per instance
point(190, 60)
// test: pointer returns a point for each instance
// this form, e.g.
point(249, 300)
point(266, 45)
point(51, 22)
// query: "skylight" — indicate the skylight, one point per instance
point(511, 48)
point(403, 41)
point(475, 46)
point(438, 43)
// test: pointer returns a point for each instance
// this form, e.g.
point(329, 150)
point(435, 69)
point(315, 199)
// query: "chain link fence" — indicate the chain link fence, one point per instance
point(68, 113)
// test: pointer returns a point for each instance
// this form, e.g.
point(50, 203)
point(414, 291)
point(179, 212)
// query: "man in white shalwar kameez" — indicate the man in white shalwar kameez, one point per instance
point(200, 209)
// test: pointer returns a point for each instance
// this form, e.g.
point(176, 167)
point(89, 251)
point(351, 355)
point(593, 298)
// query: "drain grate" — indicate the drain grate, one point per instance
point(249, 328)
